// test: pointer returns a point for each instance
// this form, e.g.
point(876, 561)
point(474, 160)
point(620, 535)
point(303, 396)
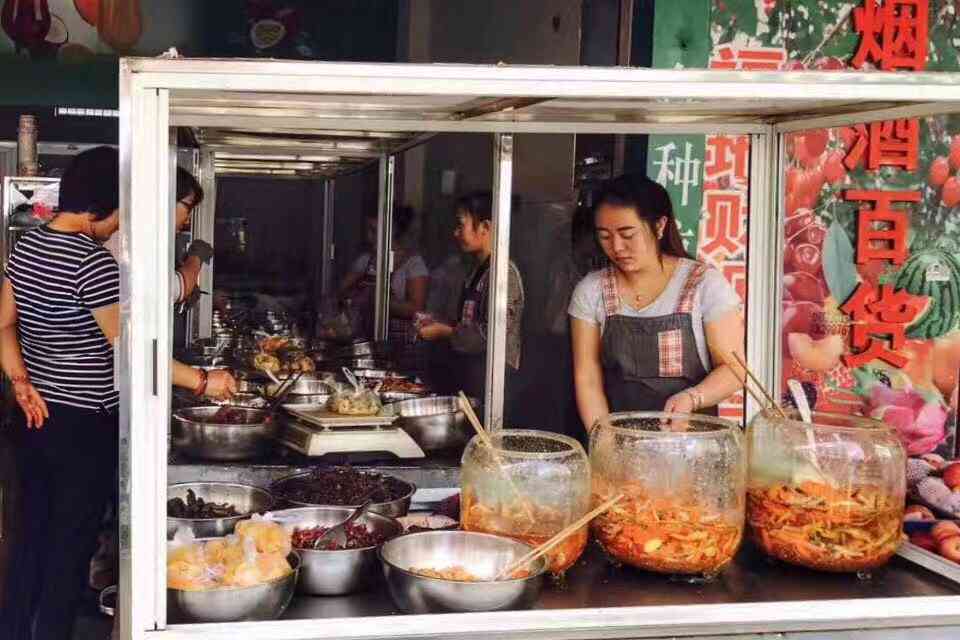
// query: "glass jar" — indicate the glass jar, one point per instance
point(529, 487)
point(827, 495)
point(683, 478)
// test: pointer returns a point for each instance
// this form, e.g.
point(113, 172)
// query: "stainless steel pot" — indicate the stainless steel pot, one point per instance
point(265, 601)
point(192, 436)
point(337, 573)
point(436, 423)
point(481, 554)
point(393, 509)
point(246, 499)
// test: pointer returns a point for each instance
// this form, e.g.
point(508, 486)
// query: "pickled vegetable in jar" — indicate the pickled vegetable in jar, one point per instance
point(683, 507)
point(530, 486)
point(827, 495)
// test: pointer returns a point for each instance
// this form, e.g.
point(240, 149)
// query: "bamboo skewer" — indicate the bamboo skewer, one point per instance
point(749, 374)
point(484, 436)
point(549, 545)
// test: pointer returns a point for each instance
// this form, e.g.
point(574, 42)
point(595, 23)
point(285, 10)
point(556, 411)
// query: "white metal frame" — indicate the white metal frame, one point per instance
point(414, 98)
point(381, 324)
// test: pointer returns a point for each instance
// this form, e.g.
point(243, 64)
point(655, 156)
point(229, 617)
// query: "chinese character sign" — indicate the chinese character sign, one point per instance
point(893, 35)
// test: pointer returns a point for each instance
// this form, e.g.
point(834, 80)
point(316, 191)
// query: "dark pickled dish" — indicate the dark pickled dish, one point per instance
point(342, 487)
point(233, 415)
point(358, 537)
point(194, 508)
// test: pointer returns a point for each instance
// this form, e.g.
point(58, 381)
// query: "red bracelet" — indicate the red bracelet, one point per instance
point(202, 387)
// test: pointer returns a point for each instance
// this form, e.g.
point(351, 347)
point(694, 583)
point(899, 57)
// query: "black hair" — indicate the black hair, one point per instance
point(91, 184)
point(187, 184)
point(403, 216)
point(651, 202)
point(478, 205)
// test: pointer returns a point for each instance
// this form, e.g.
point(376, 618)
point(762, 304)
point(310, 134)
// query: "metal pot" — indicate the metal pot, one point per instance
point(436, 423)
point(393, 509)
point(265, 601)
point(479, 553)
point(246, 499)
point(336, 573)
point(193, 437)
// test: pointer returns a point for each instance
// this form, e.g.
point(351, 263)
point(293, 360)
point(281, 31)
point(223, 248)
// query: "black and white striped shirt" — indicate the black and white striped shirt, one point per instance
point(58, 280)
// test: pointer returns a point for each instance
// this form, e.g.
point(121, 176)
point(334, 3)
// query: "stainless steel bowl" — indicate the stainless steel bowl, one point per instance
point(337, 573)
point(243, 399)
point(308, 385)
point(364, 363)
point(193, 437)
point(393, 509)
point(265, 601)
point(436, 424)
point(379, 374)
point(246, 499)
point(481, 554)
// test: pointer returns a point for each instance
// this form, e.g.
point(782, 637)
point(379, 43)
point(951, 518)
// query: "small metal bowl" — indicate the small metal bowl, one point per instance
point(193, 437)
point(436, 423)
point(393, 509)
point(337, 573)
point(479, 553)
point(307, 385)
point(246, 499)
point(265, 601)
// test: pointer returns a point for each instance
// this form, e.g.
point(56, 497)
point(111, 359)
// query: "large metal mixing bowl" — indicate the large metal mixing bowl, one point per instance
point(265, 601)
point(246, 499)
point(436, 424)
point(193, 436)
point(481, 554)
point(393, 509)
point(337, 573)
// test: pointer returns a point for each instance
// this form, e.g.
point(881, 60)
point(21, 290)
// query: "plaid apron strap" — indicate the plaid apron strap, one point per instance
point(608, 289)
point(685, 301)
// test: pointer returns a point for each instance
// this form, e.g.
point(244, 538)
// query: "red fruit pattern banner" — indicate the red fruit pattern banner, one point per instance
point(871, 285)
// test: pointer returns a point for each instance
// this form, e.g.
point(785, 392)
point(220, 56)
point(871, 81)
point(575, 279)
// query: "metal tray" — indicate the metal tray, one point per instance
point(930, 561)
point(327, 419)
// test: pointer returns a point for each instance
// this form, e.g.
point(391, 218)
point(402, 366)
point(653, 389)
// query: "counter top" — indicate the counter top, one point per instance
point(596, 583)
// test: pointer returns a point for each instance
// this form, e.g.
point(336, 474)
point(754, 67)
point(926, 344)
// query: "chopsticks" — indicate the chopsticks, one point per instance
point(550, 544)
point(766, 398)
point(484, 436)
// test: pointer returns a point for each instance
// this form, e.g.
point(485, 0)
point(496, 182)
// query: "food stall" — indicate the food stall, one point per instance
point(287, 99)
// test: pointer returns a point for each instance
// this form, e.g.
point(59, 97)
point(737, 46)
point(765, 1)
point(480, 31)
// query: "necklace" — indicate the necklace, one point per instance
point(641, 299)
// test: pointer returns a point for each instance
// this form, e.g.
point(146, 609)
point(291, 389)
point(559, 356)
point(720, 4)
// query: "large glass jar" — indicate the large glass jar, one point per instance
point(530, 486)
point(827, 495)
point(682, 477)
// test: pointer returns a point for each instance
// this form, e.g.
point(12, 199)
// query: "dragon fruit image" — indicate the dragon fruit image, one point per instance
point(920, 423)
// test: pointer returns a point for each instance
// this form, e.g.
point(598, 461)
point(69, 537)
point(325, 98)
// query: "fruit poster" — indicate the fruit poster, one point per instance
point(871, 313)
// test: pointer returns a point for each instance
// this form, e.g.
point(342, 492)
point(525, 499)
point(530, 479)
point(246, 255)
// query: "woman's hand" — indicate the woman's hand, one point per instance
point(32, 403)
point(683, 402)
point(221, 385)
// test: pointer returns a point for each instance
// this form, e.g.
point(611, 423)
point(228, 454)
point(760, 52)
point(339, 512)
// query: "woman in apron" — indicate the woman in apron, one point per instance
point(651, 331)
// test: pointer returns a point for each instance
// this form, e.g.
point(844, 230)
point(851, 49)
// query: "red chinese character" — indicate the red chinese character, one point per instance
point(736, 275)
point(878, 320)
point(882, 230)
point(724, 233)
point(759, 59)
point(893, 36)
point(727, 156)
point(894, 143)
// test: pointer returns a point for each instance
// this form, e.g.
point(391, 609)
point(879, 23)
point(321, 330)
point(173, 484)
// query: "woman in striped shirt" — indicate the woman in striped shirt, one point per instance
point(59, 315)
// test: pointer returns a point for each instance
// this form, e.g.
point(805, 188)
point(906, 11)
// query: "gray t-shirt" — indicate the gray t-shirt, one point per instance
point(412, 267)
point(713, 298)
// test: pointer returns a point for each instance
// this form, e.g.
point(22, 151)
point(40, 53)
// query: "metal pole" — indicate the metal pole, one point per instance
point(384, 247)
point(204, 226)
point(327, 254)
point(764, 261)
point(499, 277)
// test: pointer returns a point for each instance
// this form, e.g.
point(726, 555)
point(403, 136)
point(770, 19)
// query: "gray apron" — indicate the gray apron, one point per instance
point(647, 360)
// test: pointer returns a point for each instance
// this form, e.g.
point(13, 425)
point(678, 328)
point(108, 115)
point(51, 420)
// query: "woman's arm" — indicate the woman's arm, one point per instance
point(11, 359)
point(724, 336)
point(587, 372)
point(416, 298)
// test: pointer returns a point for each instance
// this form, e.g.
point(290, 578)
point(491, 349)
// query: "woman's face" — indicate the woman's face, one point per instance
point(370, 231)
point(184, 208)
point(627, 240)
point(469, 234)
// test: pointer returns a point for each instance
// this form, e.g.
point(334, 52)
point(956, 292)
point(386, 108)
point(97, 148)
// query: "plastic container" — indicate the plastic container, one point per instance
point(828, 495)
point(529, 487)
point(684, 491)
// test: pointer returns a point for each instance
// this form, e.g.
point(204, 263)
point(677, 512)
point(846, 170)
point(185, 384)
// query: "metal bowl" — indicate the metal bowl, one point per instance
point(265, 601)
point(337, 573)
point(436, 424)
point(246, 499)
point(479, 553)
point(364, 363)
point(379, 374)
point(243, 399)
point(193, 437)
point(393, 509)
point(307, 385)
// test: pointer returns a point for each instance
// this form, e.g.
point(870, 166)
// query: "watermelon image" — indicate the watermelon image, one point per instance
point(936, 275)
